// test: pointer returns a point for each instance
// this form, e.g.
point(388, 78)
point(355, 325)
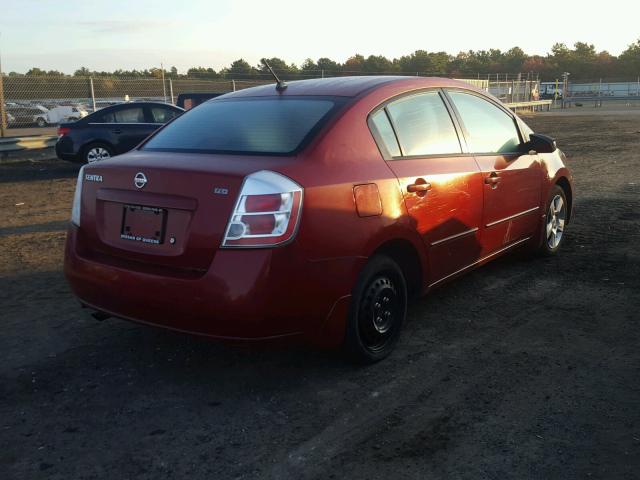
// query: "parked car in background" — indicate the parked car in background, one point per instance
point(314, 210)
point(190, 100)
point(65, 113)
point(9, 119)
point(112, 130)
point(25, 116)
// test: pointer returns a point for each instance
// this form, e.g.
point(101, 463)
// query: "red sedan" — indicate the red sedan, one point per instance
point(313, 210)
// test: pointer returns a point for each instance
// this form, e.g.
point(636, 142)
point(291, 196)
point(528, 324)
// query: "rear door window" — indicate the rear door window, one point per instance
point(162, 114)
point(126, 115)
point(488, 128)
point(250, 125)
point(424, 126)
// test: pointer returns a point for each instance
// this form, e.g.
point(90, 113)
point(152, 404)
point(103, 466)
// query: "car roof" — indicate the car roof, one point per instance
point(343, 86)
point(137, 104)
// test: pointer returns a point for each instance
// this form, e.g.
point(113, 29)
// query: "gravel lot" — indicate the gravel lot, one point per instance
point(526, 368)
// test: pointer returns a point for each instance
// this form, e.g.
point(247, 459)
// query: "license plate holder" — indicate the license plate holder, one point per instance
point(143, 224)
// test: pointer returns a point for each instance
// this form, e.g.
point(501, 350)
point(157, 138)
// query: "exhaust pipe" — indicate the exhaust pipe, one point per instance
point(100, 316)
point(97, 314)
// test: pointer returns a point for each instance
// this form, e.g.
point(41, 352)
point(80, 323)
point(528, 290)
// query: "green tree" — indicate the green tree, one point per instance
point(629, 60)
point(378, 64)
point(439, 62)
point(279, 66)
point(418, 62)
point(513, 60)
point(36, 72)
point(82, 72)
point(202, 72)
point(240, 69)
point(328, 67)
point(309, 68)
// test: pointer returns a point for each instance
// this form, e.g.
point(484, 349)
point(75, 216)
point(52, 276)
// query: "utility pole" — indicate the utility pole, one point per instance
point(565, 87)
point(3, 116)
point(164, 86)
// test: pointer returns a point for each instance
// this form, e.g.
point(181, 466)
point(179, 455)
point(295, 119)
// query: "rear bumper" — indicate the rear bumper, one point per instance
point(245, 295)
point(65, 150)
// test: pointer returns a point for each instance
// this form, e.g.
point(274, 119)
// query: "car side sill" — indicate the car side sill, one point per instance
point(497, 252)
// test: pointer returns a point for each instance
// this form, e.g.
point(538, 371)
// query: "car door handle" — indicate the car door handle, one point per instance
point(421, 187)
point(493, 179)
point(117, 131)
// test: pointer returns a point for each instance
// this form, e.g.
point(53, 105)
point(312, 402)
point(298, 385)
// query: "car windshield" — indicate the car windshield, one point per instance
point(276, 126)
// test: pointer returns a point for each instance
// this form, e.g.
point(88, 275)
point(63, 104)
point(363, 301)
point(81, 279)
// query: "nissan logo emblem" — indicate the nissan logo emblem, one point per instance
point(140, 180)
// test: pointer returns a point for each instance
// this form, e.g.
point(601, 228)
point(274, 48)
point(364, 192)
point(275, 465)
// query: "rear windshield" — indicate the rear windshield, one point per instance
point(277, 126)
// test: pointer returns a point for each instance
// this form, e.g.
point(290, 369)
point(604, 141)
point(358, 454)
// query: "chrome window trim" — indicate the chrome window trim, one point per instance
point(123, 123)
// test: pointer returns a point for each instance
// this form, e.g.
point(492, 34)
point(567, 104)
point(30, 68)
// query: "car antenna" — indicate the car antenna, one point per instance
point(280, 84)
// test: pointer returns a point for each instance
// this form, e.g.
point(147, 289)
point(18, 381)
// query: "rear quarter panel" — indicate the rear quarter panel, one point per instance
point(343, 156)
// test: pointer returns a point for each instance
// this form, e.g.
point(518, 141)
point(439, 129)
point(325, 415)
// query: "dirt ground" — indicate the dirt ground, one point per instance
point(526, 368)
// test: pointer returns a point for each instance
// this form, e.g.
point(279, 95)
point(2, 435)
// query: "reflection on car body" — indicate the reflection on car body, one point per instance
point(344, 197)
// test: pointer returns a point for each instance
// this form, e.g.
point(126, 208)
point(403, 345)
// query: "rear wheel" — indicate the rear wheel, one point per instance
point(378, 310)
point(95, 152)
point(555, 221)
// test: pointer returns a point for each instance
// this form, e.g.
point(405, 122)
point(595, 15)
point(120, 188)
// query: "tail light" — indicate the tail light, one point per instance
point(63, 131)
point(77, 197)
point(266, 213)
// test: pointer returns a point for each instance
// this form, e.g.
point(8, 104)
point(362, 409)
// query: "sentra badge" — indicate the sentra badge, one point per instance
point(91, 177)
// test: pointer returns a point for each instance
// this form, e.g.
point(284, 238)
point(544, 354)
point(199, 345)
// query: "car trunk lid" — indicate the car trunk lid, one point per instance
point(164, 209)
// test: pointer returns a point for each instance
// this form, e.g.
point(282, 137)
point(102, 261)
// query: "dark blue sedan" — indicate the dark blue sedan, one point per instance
point(112, 130)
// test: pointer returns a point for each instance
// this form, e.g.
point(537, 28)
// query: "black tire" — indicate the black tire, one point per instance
point(552, 241)
point(41, 122)
point(89, 150)
point(378, 310)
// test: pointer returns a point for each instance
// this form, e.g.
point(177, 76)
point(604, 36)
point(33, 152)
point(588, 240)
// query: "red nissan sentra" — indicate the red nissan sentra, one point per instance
point(313, 210)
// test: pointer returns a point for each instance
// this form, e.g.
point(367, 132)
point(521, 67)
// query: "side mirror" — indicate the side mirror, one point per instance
point(541, 143)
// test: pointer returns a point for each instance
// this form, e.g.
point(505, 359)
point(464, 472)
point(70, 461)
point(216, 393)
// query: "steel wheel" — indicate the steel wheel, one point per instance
point(379, 314)
point(378, 310)
point(556, 218)
point(96, 154)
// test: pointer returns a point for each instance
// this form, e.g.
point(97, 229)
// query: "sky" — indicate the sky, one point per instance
point(65, 35)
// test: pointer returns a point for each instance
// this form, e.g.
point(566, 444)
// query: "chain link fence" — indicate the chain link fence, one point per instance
point(515, 91)
point(30, 104)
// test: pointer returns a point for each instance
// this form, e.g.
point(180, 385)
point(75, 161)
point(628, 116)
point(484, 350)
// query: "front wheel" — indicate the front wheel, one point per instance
point(41, 122)
point(378, 310)
point(555, 221)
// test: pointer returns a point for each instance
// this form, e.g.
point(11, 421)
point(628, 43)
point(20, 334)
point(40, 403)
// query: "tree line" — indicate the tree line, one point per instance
point(582, 61)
